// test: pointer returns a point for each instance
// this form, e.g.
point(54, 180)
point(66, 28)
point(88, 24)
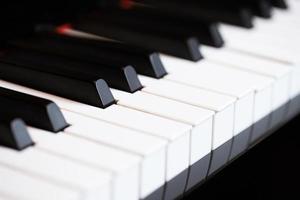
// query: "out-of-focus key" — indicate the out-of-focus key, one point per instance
point(18, 185)
point(89, 182)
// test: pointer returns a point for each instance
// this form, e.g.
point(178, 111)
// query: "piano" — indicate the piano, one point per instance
point(140, 99)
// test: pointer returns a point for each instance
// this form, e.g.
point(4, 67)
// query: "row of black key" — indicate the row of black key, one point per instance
point(101, 52)
point(76, 68)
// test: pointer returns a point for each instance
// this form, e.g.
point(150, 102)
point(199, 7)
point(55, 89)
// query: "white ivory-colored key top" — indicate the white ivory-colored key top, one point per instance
point(92, 184)
point(177, 111)
point(198, 140)
point(218, 79)
point(258, 47)
point(283, 32)
point(223, 105)
point(277, 41)
point(162, 106)
point(124, 166)
point(246, 62)
point(19, 185)
point(280, 46)
point(179, 92)
point(283, 41)
point(152, 149)
point(171, 109)
point(253, 108)
point(223, 120)
point(282, 74)
point(6, 197)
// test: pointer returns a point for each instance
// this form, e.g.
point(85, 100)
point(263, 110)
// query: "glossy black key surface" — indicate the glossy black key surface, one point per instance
point(122, 77)
point(206, 32)
point(213, 10)
point(279, 4)
point(97, 51)
point(150, 38)
point(13, 134)
point(35, 111)
point(261, 8)
point(87, 90)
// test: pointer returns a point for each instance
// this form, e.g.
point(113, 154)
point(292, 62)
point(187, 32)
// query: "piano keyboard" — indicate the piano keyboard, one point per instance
point(88, 113)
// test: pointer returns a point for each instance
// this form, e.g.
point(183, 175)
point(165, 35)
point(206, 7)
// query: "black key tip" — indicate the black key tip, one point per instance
point(14, 134)
point(132, 80)
point(282, 4)
point(158, 69)
point(104, 96)
point(216, 37)
point(193, 46)
point(265, 10)
point(246, 17)
point(56, 121)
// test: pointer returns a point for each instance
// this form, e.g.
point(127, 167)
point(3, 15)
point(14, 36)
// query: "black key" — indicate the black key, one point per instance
point(98, 51)
point(280, 4)
point(213, 11)
point(13, 134)
point(86, 90)
point(261, 8)
point(121, 77)
point(35, 111)
point(150, 38)
point(205, 32)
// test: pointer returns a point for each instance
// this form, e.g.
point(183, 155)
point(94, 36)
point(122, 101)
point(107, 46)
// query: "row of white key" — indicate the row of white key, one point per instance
point(259, 48)
point(118, 171)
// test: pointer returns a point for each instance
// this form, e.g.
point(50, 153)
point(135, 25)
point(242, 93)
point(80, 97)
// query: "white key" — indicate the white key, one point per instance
point(6, 197)
point(124, 166)
point(218, 79)
point(276, 39)
point(195, 116)
point(272, 41)
point(281, 23)
point(151, 149)
point(258, 48)
point(277, 34)
point(18, 185)
point(273, 44)
point(221, 104)
point(175, 132)
point(91, 183)
point(281, 73)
